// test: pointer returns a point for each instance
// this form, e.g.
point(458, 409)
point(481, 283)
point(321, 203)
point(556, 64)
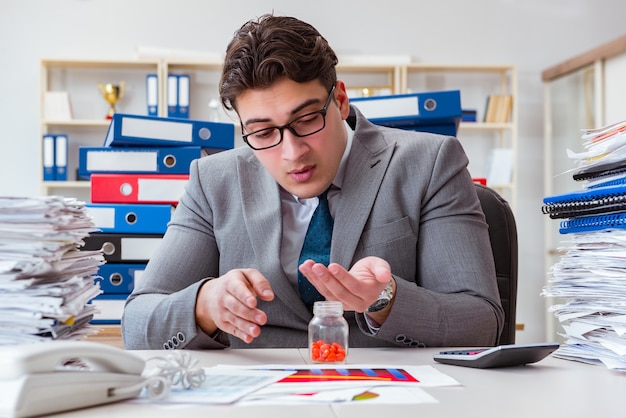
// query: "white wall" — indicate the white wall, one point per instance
point(532, 34)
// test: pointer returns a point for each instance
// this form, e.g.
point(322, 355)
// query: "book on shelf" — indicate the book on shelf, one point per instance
point(57, 106)
point(498, 109)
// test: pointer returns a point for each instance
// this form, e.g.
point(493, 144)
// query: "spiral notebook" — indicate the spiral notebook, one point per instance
point(593, 223)
point(586, 202)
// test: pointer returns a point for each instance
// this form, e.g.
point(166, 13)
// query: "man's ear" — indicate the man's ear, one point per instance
point(341, 97)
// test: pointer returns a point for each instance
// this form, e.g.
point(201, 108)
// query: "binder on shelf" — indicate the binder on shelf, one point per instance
point(172, 95)
point(49, 170)
point(152, 94)
point(409, 111)
point(183, 96)
point(60, 157)
point(136, 130)
point(123, 248)
point(109, 308)
point(118, 278)
point(138, 188)
point(130, 218)
point(156, 160)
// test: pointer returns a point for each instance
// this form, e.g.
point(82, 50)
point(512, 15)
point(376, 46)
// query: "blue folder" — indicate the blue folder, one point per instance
point(140, 131)
point(414, 110)
point(130, 218)
point(117, 278)
point(136, 160)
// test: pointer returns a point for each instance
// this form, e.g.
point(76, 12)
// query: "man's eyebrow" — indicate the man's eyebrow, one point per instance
point(293, 111)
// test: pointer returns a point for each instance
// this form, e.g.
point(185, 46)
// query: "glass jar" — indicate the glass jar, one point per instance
point(328, 333)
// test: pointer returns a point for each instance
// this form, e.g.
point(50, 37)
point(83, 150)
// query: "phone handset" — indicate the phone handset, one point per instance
point(49, 357)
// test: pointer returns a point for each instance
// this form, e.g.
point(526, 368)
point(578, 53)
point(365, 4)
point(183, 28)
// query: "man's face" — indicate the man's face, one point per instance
point(304, 166)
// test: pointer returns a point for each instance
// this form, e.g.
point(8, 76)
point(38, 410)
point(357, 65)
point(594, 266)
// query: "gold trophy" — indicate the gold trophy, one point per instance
point(112, 93)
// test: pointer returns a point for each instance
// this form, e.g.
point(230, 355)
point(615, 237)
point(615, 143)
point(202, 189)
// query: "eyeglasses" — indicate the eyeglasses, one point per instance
point(302, 126)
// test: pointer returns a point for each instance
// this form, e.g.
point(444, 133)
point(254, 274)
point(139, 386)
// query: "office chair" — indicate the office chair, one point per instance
point(503, 237)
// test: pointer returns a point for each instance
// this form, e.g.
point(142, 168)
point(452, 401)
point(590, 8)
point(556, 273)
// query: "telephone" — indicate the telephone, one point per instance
point(54, 376)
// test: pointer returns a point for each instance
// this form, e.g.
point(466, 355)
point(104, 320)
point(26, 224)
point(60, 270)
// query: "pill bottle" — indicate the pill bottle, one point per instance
point(328, 333)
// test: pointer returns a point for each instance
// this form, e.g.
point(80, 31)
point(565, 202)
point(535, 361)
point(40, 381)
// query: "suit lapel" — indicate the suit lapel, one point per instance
point(369, 158)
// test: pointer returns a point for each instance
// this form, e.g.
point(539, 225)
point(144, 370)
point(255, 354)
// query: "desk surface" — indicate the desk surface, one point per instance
point(549, 388)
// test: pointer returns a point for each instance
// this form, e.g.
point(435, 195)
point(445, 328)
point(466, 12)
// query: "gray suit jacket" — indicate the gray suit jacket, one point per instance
point(407, 197)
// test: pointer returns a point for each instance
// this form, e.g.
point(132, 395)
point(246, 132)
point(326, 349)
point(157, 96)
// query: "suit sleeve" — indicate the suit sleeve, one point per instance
point(158, 314)
point(453, 299)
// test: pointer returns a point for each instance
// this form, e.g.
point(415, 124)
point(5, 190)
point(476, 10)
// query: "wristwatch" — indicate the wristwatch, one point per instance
point(383, 299)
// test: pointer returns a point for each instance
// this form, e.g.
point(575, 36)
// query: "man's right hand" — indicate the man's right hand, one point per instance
point(228, 303)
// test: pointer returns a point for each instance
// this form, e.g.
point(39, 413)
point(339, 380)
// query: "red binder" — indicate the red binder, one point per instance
point(138, 188)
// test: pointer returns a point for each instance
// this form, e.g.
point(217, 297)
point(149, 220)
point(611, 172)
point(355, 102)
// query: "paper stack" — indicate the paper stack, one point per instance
point(590, 279)
point(46, 282)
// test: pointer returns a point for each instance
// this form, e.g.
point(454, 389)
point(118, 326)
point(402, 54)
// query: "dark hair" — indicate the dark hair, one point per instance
point(271, 48)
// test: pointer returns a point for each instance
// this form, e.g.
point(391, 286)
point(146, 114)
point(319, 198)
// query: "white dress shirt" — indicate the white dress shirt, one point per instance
point(297, 214)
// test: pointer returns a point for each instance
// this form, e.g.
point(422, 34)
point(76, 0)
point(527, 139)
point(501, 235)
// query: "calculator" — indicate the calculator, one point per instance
point(500, 356)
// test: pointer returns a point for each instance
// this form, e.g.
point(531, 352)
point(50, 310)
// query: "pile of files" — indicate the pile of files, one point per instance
point(137, 177)
point(589, 281)
point(46, 282)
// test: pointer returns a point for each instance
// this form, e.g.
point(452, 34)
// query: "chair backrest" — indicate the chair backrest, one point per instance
point(503, 236)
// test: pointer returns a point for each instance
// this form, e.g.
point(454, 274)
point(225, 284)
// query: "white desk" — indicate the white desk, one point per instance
point(550, 388)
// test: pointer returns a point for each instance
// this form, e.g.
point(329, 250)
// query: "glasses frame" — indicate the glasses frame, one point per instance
point(287, 126)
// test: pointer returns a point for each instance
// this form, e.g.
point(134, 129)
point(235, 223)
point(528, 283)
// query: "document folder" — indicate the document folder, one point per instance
point(172, 95)
point(130, 218)
point(49, 169)
point(118, 278)
point(110, 308)
point(413, 110)
point(124, 248)
point(137, 188)
point(136, 130)
point(164, 160)
point(60, 157)
point(152, 94)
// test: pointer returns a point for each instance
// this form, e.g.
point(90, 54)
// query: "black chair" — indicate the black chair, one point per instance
point(503, 236)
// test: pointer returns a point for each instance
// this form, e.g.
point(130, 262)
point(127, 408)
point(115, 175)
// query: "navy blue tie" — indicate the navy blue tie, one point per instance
point(316, 247)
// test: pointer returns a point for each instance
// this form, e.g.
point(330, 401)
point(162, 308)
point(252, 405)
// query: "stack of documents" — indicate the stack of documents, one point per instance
point(588, 281)
point(46, 282)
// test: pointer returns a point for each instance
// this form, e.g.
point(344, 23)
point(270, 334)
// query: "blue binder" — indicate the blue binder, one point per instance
point(172, 96)
point(156, 160)
point(60, 157)
point(49, 169)
point(118, 278)
point(152, 94)
point(413, 110)
point(130, 218)
point(136, 130)
point(183, 96)
point(110, 308)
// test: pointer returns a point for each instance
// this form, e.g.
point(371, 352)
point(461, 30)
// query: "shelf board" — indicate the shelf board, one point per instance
point(113, 63)
point(483, 125)
point(78, 122)
point(67, 184)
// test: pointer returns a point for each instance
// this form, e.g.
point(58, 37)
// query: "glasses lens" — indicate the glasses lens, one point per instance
point(308, 124)
point(264, 138)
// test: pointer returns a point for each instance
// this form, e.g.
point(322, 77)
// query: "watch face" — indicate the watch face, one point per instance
point(378, 305)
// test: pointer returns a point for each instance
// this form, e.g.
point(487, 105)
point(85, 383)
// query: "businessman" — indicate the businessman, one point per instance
point(409, 254)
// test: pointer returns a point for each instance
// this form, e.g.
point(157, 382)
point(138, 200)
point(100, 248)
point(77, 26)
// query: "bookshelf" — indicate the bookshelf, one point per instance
point(491, 146)
point(79, 78)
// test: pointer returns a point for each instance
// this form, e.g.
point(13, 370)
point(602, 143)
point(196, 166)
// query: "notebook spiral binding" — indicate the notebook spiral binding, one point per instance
point(587, 202)
point(593, 223)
